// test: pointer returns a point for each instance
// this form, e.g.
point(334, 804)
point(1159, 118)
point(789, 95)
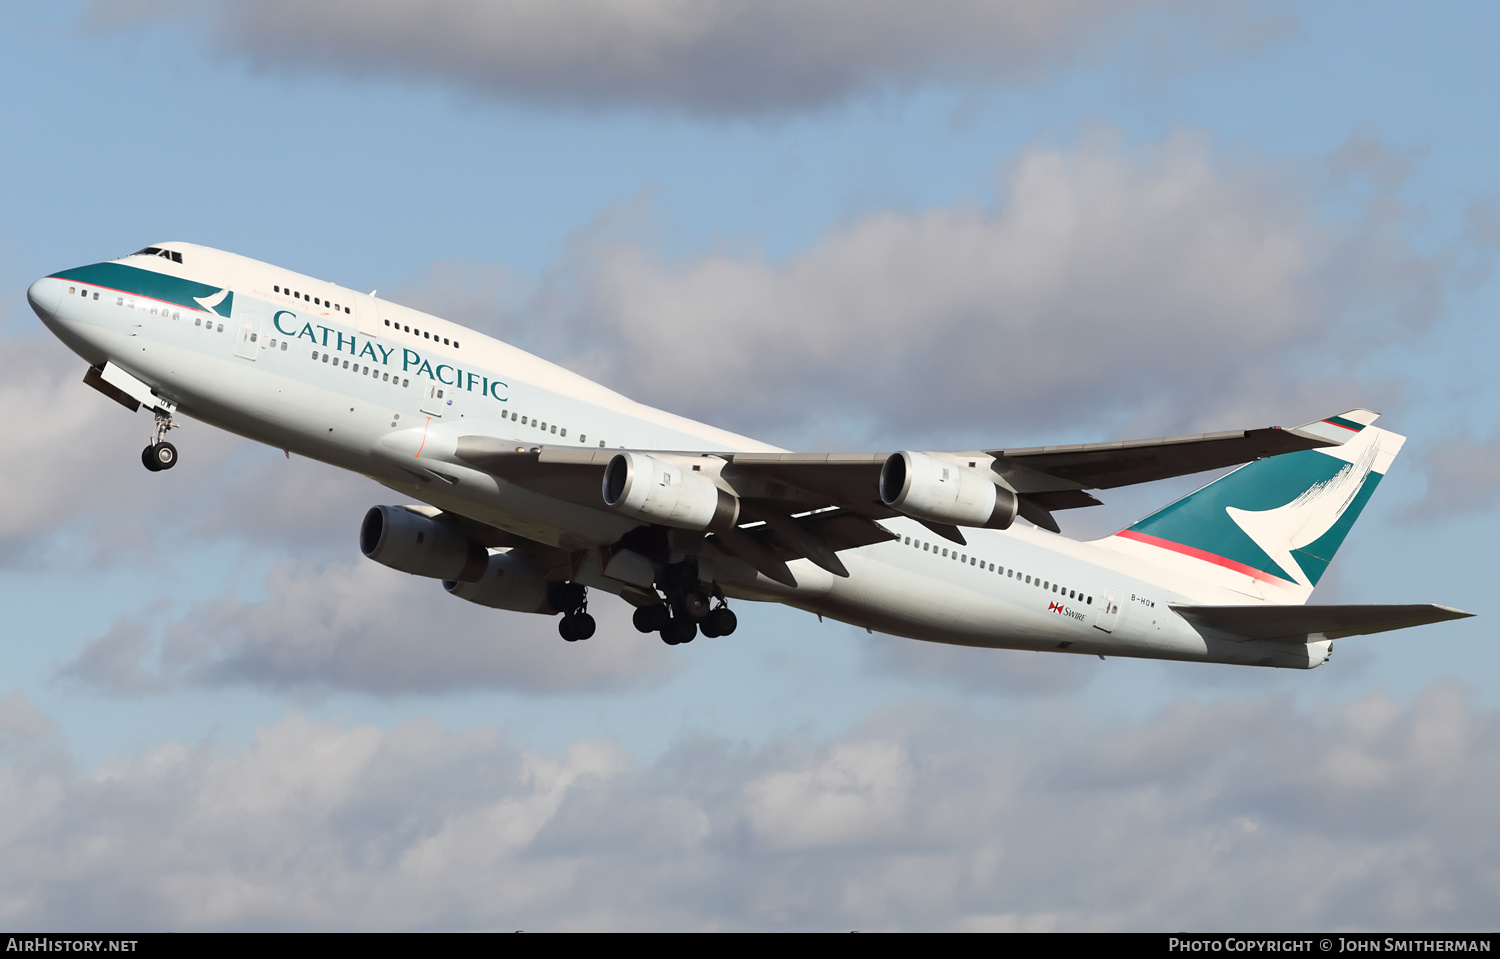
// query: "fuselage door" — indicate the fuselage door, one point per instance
point(247, 343)
point(1110, 614)
point(437, 399)
point(366, 315)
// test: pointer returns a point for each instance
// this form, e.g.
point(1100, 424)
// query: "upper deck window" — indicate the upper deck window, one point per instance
point(172, 255)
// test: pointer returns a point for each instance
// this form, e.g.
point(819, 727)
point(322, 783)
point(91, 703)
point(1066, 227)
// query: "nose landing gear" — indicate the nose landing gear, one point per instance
point(160, 455)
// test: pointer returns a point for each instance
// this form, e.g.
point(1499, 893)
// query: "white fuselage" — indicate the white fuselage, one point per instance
point(371, 386)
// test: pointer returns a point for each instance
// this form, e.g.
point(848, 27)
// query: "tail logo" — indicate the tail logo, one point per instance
point(211, 303)
point(1278, 519)
point(1289, 529)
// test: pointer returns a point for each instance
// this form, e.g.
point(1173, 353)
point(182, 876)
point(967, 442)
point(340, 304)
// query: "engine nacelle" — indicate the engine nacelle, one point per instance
point(656, 491)
point(508, 583)
point(925, 487)
point(417, 544)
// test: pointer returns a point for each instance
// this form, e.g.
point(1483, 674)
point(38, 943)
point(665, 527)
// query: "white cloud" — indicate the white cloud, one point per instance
point(361, 626)
point(709, 56)
point(1243, 816)
point(82, 498)
point(1173, 287)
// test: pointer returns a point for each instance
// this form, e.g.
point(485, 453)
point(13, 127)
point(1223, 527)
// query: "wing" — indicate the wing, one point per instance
point(813, 505)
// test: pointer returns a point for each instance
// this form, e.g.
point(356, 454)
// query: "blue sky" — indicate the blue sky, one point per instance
point(1137, 218)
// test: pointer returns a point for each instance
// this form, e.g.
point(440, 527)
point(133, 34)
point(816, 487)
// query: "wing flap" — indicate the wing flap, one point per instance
point(1299, 622)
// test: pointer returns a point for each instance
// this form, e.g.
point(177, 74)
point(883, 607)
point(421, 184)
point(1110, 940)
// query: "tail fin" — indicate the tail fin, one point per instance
point(1270, 528)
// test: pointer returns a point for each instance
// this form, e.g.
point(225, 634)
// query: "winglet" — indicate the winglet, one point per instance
point(1338, 429)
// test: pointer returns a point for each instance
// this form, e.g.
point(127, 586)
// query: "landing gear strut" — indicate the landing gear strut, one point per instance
point(160, 455)
point(688, 608)
point(572, 599)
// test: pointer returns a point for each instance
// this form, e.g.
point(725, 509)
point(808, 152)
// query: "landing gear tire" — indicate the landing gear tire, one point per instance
point(679, 631)
point(651, 619)
point(576, 626)
point(159, 456)
point(721, 621)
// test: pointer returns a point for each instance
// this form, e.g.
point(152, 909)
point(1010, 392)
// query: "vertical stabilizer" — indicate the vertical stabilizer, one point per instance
point(1270, 528)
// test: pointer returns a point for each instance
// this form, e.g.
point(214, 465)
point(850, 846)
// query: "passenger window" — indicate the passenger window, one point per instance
point(445, 341)
point(554, 427)
point(283, 346)
point(198, 321)
point(96, 295)
point(221, 327)
point(406, 382)
point(455, 342)
point(564, 432)
point(72, 290)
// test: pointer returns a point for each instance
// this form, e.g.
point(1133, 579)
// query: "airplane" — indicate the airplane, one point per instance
point(536, 485)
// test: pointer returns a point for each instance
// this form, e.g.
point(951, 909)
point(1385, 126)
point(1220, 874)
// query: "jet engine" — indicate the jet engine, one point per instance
point(656, 491)
point(417, 544)
point(508, 582)
point(925, 487)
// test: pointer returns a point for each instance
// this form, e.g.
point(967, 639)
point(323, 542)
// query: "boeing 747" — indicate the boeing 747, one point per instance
point(535, 485)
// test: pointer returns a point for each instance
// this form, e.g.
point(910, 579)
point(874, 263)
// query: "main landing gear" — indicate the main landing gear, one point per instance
point(687, 609)
point(572, 599)
point(160, 455)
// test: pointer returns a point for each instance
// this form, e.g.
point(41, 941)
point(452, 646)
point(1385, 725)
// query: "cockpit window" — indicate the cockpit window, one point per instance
point(172, 255)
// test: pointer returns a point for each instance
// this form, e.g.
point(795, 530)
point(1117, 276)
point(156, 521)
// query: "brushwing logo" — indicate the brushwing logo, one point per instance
point(211, 303)
point(1291, 528)
point(1278, 519)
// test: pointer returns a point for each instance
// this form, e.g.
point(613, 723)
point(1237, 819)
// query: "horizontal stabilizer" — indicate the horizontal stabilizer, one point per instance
point(1299, 622)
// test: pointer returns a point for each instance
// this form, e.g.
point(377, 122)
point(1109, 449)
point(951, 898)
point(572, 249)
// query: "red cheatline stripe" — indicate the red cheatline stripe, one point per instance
point(1204, 555)
point(115, 289)
point(1352, 429)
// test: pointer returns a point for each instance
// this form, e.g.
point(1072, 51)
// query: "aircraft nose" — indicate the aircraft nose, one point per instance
point(43, 295)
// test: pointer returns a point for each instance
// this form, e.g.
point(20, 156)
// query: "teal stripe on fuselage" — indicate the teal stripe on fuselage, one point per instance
point(1199, 519)
point(157, 286)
